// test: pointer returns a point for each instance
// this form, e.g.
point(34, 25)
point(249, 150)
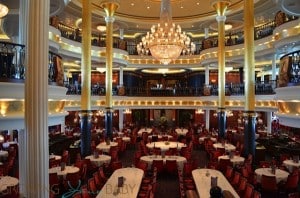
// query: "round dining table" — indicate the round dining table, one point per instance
point(235, 160)
point(165, 145)
point(6, 181)
point(106, 147)
point(280, 175)
point(98, 161)
point(63, 173)
point(291, 164)
point(228, 147)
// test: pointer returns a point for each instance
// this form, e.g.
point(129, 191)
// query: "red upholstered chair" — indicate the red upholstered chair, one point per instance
point(171, 167)
point(269, 185)
point(291, 183)
point(248, 191)
point(256, 194)
point(85, 192)
point(54, 182)
point(229, 173)
point(236, 179)
point(73, 181)
point(264, 164)
point(116, 165)
point(92, 186)
point(223, 163)
point(242, 186)
point(159, 165)
point(188, 167)
point(142, 165)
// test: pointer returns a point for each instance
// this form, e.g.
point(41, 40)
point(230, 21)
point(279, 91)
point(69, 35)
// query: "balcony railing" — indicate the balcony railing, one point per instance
point(261, 88)
point(232, 38)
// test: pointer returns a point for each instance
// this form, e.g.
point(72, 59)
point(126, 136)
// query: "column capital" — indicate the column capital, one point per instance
point(110, 6)
point(109, 19)
point(221, 18)
point(220, 6)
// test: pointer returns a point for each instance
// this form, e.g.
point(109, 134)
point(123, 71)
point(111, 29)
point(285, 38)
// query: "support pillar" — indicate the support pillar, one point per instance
point(86, 113)
point(121, 119)
point(36, 102)
point(207, 119)
point(249, 68)
point(109, 6)
point(206, 75)
point(23, 142)
point(249, 132)
point(269, 121)
point(221, 7)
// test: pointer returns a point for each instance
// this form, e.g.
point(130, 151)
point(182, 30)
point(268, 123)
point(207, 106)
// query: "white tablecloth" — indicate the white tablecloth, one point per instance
point(100, 160)
point(290, 165)
point(3, 154)
point(125, 139)
point(104, 147)
point(56, 157)
point(236, 160)
point(203, 182)
point(68, 169)
point(131, 186)
point(165, 146)
point(201, 139)
point(147, 130)
point(180, 131)
point(228, 147)
point(7, 144)
point(149, 159)
point(6, 181)
point(280, 175)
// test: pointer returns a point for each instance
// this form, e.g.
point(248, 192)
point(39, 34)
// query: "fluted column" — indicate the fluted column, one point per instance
point(249, 68)
point(86, 114)
point(269, 121)
point(121, 76)
point(109, 6)
point(207, 119)
point(23, 149)
point(206, 75)
point(36, 101)
point(221, 6)
point(121, 119)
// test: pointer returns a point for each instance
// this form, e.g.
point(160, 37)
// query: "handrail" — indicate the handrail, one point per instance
point(232, 89)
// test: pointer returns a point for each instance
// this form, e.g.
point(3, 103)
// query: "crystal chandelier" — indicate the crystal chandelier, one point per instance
point(166, 42)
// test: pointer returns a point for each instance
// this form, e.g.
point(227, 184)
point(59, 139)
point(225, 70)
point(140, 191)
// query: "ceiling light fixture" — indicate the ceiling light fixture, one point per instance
point(166, 42)
point(3, 10)
point(101, 28)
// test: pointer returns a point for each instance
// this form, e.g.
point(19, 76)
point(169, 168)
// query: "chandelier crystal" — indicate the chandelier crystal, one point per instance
point(166, 41)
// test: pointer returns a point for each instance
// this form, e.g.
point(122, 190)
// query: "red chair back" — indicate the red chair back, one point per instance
point(268, 183)
point(249, 191)
point(159, 165)
point(171, 166)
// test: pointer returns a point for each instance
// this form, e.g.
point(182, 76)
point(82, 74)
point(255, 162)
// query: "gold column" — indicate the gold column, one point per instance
point(109, 6)
point(221, 7)
point(86, 56)
point(249, 68)
point(85, 115)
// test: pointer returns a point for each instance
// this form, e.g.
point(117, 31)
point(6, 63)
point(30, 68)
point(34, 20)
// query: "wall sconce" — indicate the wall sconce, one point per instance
point(199, 111)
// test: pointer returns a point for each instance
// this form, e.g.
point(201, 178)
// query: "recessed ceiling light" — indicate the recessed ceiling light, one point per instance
point(148, 7)
point(132, 4)
point(181, 7)
point(198, 3)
